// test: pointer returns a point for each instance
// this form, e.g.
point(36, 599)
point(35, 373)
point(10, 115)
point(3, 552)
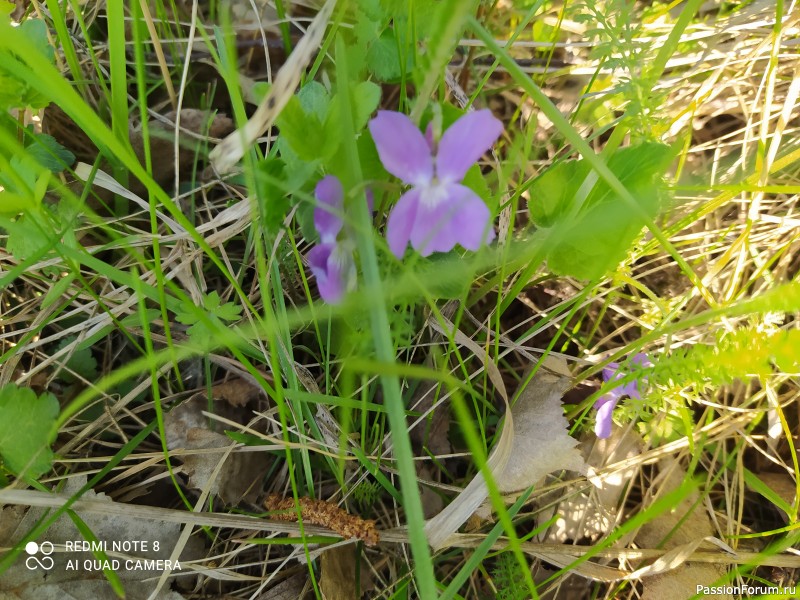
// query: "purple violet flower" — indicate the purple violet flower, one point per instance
point(605, 404)
point(438, 212)
point(331, 261)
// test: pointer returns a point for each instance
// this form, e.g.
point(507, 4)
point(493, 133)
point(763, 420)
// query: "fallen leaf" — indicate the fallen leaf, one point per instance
point(585, 512)
point(534, 442)
point(186, 427)
point(339, 577)
point(290, 589)
point(236, 391)
point(541, 443)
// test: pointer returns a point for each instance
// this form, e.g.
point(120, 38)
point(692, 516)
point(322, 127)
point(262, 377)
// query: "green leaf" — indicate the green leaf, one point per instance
point(383, 58)
point(11, 203)
point(420, 12)
point(245, 438)
point(441, 287)
point(315, 100)
point(366, 97)
point(476, 181)
point(17, 93)
point(29, 234)
point(80, 361)
point(296, 172)
point(587, 240)
point(553, 192)
point(217, 312)
point(305, 218)
point(26, 421)
point(300, 130)
point(49, 153)
point(36, 31)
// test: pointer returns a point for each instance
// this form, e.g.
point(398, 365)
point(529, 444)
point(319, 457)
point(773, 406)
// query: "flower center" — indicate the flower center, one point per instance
point(433, 193)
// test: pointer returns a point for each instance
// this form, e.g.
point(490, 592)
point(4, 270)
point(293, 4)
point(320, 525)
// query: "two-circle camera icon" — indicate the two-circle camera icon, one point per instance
point(33, 562)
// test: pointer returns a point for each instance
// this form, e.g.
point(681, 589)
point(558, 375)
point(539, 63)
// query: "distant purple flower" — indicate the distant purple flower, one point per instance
point(438, 212)
point(331, 260)
point(605, 404)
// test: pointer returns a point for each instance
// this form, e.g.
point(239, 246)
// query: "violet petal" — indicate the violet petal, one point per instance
point(603, 420)
point(464, 143)
point(402, 147)
point(610, 370)
point(401, 221)
point(333, 269)
point(460, 217)
point(328, 212)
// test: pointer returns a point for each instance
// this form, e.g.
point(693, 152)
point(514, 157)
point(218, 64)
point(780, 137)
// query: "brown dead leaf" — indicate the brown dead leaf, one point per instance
point(294, 588)
point(236, 392)
point(339, 577)
point(533, 443)
point(541, 442)
point(192, 123)
point(186, 427)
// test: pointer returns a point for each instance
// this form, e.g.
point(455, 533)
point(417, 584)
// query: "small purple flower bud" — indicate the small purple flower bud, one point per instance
point(331, 261)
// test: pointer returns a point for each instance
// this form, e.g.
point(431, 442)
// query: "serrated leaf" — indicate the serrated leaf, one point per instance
point(296, 172)
point(49, 153)
point(383, 58)
point(228, 312)
point(28, 235)
point(26, 421)
point(300, 130)
point(314, 99)
point(212, 301)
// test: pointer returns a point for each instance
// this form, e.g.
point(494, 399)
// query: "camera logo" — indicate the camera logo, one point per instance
point(45, 562)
